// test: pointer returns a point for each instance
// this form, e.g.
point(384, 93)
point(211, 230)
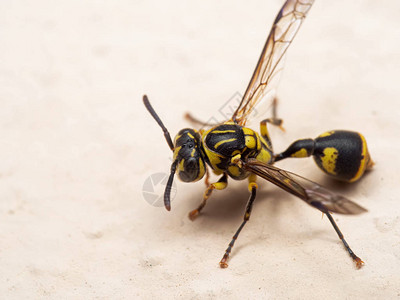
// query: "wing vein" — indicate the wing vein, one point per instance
point(270, 63)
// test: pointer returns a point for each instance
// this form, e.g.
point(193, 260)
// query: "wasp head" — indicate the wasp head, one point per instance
point(190, 162)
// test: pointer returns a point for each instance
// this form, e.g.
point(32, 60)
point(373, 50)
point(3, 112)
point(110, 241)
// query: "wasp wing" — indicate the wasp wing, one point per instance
point(307, 190)
point(270, 63)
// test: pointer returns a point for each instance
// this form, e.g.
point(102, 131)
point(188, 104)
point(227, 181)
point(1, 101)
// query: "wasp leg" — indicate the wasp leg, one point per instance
point(207, 176)
point(265, 133)
point(264, 130)
point(274, 121)
point(194, 120)
point(357, 260)
point(207, 183)
point(253, 189)
point(221, 184)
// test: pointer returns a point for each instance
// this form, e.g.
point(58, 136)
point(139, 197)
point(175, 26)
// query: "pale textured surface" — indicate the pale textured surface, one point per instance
point(77, 146)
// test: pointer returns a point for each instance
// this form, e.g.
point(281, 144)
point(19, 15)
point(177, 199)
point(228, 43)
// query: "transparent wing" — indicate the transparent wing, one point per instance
point(270, 63)
point(307, 190)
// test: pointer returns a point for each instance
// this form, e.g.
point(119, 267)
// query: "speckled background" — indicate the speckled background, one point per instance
point(77, 147)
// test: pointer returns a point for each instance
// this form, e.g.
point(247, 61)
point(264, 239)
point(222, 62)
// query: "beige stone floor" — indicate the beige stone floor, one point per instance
point(77, 146)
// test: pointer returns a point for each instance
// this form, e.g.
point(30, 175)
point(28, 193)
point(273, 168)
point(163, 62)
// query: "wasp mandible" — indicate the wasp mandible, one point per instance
point(233, 150)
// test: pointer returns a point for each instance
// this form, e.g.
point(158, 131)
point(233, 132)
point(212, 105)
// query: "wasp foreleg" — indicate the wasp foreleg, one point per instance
point(221, 184)
point(253, 189)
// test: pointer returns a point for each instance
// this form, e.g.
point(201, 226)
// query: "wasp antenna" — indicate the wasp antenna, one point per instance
point(158, 120)
point(167, 193)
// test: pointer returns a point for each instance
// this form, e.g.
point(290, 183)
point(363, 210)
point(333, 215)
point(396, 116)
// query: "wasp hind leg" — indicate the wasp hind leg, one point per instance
point(253, 189)
point(322, 208)
point(274, 121)
point(221, 184)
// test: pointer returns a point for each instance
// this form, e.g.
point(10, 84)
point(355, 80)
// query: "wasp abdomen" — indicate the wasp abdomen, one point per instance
point(341, 154)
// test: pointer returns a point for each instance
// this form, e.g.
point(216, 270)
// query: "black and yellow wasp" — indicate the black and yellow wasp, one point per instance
point(233, 150)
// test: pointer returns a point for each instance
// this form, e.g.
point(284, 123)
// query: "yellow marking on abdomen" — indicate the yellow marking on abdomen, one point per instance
point(301, 153)
point(329, 160)
point(328, 133)
point(223, 142)
point(365, 162)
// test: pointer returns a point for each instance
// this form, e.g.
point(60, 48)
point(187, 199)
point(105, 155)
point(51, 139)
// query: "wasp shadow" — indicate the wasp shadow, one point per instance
point(273, 210)
point(349, 189)
point(228, 206)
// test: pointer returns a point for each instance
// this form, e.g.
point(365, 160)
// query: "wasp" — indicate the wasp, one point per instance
point(233, 150)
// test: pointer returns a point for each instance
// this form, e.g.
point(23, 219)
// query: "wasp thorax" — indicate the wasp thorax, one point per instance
point(187, 152)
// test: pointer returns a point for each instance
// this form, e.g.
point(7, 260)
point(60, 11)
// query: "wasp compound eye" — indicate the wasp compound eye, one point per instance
point(188, 170)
